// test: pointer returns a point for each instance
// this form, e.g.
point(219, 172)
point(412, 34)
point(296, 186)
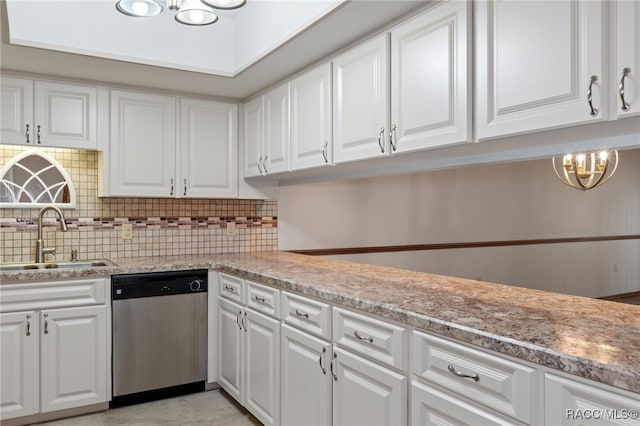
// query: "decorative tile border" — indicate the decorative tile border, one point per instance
point(106, 223)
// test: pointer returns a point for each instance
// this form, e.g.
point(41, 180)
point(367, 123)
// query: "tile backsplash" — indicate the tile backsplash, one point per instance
point(159, 226)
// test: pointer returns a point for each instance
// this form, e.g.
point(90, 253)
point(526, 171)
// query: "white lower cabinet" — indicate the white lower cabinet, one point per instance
point(19, 364)
point(572, 402)
point(306, 379)
point(73, 357)
point(53, 357)
point(249, 345)
point(366, 393)
point(430, 406)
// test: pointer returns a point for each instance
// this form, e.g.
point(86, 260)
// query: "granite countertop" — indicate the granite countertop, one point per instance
point(594, 339)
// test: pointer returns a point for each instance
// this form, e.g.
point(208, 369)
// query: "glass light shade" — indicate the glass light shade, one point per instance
point(139, 8)
point(225, 4)
point(193, 12)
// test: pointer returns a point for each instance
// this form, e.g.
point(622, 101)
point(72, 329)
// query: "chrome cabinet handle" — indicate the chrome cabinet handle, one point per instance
point(393, 137)
point(264, 165)
point(625, 72)
point(594, 111)
point(171, 182)
point(185, 188)
point(258, 299)
point(324, 353)
point(452, 370)
point(302, 314)
point(38, 134)
point(244, 325)
point(238, 320)
point(380, 139)
point(229, 289)
point(28, 333)
point(27, 134)
point(335, 377)
point(361, 337)
point(260, 166)
point(46, 323)
point(324, 152)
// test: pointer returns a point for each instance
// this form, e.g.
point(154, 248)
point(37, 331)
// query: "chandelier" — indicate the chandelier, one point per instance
point(586, 170)
point(188, 12)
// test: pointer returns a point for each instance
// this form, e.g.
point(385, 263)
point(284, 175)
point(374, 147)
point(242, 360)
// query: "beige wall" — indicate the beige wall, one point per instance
point(514, 201)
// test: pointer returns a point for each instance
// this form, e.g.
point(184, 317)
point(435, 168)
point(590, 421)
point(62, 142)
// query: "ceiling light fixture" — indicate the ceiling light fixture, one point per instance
point(586, 170)
point(188, 12)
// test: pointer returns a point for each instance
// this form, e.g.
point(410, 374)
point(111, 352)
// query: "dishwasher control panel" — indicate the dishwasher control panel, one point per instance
point(132, 286)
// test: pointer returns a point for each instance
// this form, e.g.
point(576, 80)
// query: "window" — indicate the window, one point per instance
point(34, 179)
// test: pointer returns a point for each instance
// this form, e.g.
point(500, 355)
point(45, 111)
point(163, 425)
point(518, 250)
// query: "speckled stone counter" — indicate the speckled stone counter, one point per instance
point(595, 339)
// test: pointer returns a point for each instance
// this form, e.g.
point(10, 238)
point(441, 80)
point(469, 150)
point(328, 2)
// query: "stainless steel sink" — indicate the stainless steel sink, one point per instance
point(56, 265)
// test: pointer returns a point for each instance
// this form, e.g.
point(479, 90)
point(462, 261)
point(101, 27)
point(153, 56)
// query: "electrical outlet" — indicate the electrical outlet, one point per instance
point(231, 229)
point(127, 228)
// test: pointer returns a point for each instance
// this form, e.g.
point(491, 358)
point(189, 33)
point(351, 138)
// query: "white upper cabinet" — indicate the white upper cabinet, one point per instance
point(361, 102)
point(266, 133)
point(531, 76)
point(276, 130)
point(311, 143)
point(625, 34)
point(253, 137)
point(143, 145)
point(430, 79)
point(209, 149)
point(156, 151)
point(44, 113)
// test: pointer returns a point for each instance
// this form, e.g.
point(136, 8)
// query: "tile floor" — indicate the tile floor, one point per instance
point(212, 408)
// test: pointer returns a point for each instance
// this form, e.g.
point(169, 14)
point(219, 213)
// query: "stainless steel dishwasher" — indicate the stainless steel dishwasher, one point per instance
point(159, 335)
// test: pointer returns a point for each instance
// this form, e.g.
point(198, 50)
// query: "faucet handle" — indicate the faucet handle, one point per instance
point(50, 250)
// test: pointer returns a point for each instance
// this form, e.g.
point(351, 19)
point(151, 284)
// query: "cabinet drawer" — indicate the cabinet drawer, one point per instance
point(263, 299)
point(307, 314)
point(376, 339)
point(568, 401)
point(430, 406)
point(54, 294)
point(231, 288)
point(498, 383)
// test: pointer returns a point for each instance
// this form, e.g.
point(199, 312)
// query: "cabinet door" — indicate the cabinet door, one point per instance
point(361, 102)
point(262, 367)
point(73, 357)
point(230, 345)
point(208, 144)
point(569, 402)
point(276, 130)
point(65, 115)
point(365, 393)
point(626, 37)
point(430, 79)
point(531, 78)
point(311, 143)
point(253, 137)
point(306, 379)
point(19, 364)
point(16, 113)
point(143, 145)
point(429, 406)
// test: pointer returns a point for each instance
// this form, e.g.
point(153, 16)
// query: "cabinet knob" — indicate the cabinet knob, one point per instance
point(393, 138)
point(323, 354)
point(27, 134)
point(46, 323)
point(171, 182)
point(381, 139)
point(38, 134)
point(185, 188)
point(324, 152)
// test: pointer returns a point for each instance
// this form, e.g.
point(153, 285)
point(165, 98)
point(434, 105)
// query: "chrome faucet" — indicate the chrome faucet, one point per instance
point(40, 249)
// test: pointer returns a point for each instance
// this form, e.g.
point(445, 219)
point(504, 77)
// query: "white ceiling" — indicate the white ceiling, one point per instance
point(245, 51)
